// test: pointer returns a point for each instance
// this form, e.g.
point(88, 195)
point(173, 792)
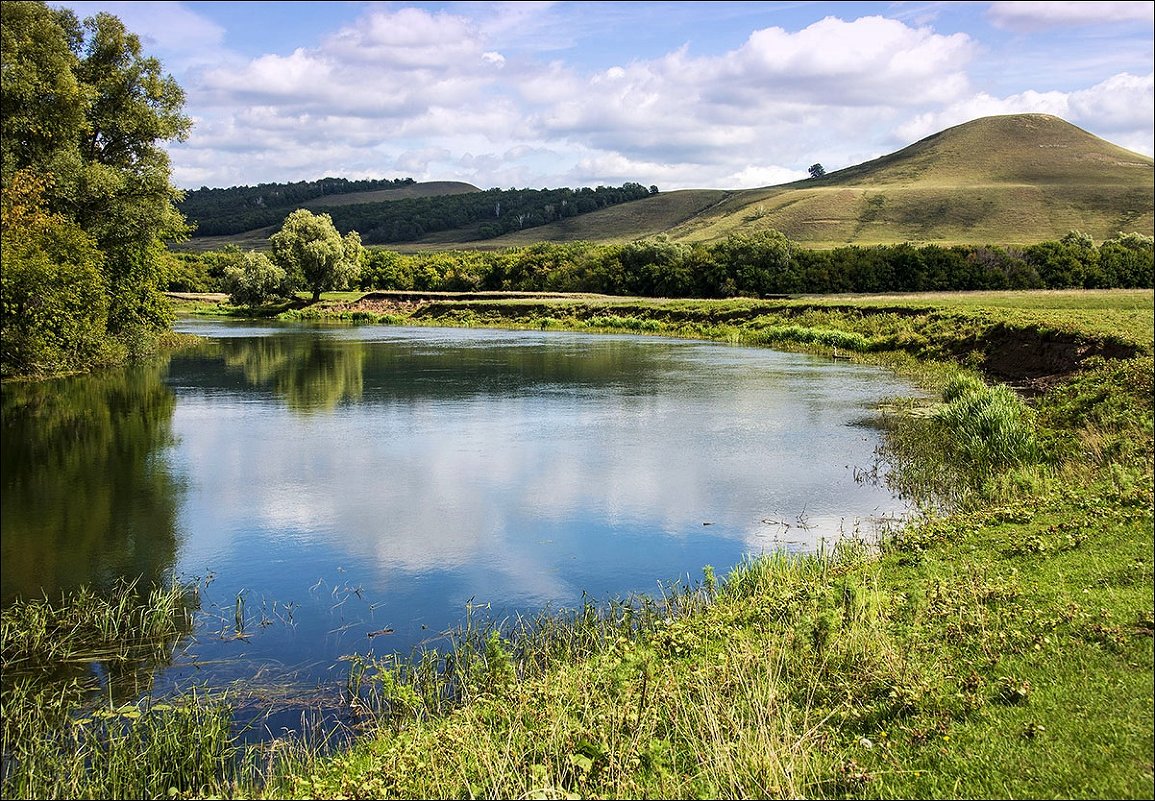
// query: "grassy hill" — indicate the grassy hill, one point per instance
point(620, 223)
point(1011, 179)
point(1015, 179)
point(1020, 178)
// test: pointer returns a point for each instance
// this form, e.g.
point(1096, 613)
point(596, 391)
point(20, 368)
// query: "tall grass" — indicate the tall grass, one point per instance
point(56, 745)
point(667, 696)
point(73, 670)
point(966, 449)
point(128, 622)
point(988, 428)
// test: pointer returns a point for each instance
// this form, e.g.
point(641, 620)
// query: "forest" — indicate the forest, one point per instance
point(222, 212)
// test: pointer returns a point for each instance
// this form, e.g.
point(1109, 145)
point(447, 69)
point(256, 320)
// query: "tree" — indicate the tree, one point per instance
point(757, 265)
point(816, 170)
point(253, 279)
point(311, 251)
point(54, 298)
point(84, 114)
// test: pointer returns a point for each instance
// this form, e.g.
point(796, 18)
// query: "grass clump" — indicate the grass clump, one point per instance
point(126, 623)
point(74, 670)
point(987, 428)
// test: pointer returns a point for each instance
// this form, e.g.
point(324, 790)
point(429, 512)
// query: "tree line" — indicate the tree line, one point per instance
point(757, 265)
point(488, 214)
point(236, 209)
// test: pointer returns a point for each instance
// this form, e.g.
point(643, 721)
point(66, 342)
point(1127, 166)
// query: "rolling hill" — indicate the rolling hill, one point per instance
point(1019, 178)
point(1015, 179)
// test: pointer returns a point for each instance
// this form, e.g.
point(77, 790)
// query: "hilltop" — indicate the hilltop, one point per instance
point(1014, 179)
point(1018, 178)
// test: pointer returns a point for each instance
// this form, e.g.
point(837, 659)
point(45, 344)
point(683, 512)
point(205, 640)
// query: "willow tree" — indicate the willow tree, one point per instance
point(311, 250)
point(84, 116)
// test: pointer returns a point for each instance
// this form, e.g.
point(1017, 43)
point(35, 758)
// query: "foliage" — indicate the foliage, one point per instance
point(55, 302)
point(313, 254)
point(85, 112)
point(242, 208)
point(763, 264)
point(487, 214)
point(253, 279)
point(816, 170)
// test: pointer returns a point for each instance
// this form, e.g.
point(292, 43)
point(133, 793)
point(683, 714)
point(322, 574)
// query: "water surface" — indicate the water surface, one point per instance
point(342, 481)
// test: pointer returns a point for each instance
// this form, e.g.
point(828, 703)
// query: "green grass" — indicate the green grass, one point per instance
point(999, 647)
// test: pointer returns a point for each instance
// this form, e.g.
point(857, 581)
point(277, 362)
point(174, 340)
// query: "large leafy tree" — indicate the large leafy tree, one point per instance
point(84, 117)
point(312, 252)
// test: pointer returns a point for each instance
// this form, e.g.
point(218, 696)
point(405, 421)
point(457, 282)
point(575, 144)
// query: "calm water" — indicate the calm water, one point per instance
point(342, 481)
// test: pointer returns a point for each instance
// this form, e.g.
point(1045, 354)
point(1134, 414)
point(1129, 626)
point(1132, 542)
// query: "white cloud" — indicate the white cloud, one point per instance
point(770, 100)
point(1123, 102)
point(868, 60)
point(463, 95)
point(1119, 109)
point(1034, 16)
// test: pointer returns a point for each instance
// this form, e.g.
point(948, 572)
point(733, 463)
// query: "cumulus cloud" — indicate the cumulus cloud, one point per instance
point(1120, 109)
point(1034, 16)
point(465, 95)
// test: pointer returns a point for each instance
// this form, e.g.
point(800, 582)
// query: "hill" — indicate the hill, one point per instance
point(1019, 178)
point(1014, 179)
point(243, 211)
point(401, 211)
point(415, 190)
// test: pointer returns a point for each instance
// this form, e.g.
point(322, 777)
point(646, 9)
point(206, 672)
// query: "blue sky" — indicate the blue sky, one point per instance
point(681, 95)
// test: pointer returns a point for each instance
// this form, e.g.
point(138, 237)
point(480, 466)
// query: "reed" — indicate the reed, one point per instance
point(130, 621)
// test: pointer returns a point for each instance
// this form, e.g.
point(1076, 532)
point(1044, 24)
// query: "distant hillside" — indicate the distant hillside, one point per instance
point(623, 222)
point(1015, 179)
point(411, 190)
point(1012, 179)
point(402, 212)
point(238, 210)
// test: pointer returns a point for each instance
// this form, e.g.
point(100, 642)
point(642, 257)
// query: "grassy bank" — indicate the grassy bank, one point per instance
point(1002, 647)
point(1003, 650)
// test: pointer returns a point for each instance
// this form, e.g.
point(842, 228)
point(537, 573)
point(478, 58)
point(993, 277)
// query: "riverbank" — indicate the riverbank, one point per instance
point(1001, 649)
point(1030, 339)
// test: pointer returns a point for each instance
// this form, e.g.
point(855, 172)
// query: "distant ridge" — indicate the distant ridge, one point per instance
point(421, 189)
point(1014, 179)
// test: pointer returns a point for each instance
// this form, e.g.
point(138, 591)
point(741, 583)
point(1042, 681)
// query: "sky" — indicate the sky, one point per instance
point(721, 95)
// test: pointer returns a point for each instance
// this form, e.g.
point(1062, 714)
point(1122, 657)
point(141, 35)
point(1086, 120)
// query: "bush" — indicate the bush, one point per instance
point(254, 279)
point(987, 428)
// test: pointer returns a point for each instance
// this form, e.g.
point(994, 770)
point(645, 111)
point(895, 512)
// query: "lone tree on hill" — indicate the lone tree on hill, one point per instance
point(816, 170)
point(311, 251)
